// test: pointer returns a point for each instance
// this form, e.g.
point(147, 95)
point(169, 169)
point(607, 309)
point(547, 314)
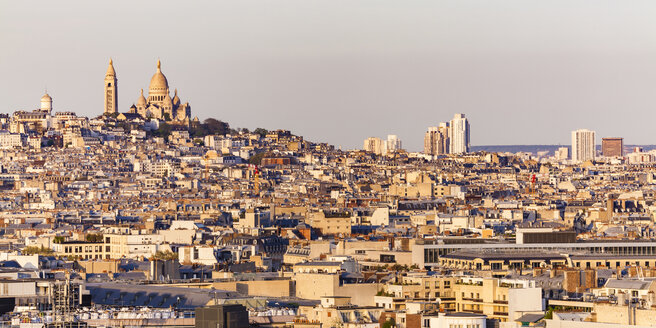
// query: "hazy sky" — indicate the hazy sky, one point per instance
point(524, 72)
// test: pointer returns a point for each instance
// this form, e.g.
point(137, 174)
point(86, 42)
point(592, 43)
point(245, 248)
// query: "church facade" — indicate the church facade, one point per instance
point(158, 105)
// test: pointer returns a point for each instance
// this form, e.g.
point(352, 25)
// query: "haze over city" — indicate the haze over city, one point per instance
point(524, 72)
point(327, 164)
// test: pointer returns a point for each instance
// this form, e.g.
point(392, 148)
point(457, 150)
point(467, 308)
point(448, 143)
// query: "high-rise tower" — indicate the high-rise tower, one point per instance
point(459, 134)
point(583, 145)
point(111, 90)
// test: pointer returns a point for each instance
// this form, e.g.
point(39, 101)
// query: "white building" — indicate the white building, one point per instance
point(562, 153)
point(456, 319)
point(11, 140)
point(583, 145)
point(374, 145)
point(459, 134)
point(393, 143)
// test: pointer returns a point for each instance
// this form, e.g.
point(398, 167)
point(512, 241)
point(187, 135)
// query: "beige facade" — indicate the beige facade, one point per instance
point(316, 285)
point(331, 224)
point(339, 311)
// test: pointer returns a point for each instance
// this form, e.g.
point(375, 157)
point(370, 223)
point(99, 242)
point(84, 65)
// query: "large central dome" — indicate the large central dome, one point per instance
point(158, 84)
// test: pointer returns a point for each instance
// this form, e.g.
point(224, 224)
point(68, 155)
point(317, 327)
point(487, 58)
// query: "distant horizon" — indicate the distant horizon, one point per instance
point(339, 72)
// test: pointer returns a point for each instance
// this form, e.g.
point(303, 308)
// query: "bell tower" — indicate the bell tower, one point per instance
point(111, 90)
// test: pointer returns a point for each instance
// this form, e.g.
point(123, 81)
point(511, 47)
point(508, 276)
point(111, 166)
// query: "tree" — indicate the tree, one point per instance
point(391, 323)
point(167, 255)
point(31, 250)
point(256, 159)
point(208, 127)
point(94, 238)
point(58, 239)
point(262, 132)
point(163, 131)
point(214, 126)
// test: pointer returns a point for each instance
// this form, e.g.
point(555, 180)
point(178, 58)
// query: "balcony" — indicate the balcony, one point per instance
point(505, 314)
point(500, 302)
point(479, 300)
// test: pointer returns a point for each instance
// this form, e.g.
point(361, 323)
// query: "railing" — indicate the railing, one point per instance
point(480, 300)
point(500, 302)
point(501, 313)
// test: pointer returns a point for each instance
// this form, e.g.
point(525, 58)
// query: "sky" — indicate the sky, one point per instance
point(339, 71)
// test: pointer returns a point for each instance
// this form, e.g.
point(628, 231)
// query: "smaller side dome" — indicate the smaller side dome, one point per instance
point(176, 99)
point(167, 100)
point(142, 100)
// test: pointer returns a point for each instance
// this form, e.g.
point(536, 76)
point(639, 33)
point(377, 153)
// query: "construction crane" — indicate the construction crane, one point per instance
point(207, 157)
point(256, 178)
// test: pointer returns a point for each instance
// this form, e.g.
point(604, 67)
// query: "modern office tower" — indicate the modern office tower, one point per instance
point(583, 145)
point(374, 145)
point(444, 141)
point(436, 140)
point(459, 134)
point(612, 147)
point(111, 90)
point(430, 140)
point(393, 143)
point(562, 153)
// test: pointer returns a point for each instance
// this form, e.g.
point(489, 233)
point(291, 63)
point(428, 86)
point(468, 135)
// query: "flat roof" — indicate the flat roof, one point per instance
point(545, 245)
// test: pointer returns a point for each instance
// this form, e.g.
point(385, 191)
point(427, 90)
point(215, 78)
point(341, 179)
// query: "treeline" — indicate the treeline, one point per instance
point(210, 126)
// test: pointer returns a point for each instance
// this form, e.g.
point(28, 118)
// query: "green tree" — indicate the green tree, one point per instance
point(58, 239)
point(256, 159)
point(167, 255)
point(163, 131)
point(262, 132)
point(94, 238)
point(391, 323)
point(31, 250)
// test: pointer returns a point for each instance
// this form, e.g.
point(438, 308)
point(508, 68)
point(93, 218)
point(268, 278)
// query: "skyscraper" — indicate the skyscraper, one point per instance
point(583, 145)
point(111, 90)
point(612, 147)
point(459, 134)
point(374, 145)
point(393, 143)
point(430, 141)
point(436, 140)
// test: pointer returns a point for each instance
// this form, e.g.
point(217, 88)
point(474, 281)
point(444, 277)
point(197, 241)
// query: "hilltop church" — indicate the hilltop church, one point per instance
point(159, 104)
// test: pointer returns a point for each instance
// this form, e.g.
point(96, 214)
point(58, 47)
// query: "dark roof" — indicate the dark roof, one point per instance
point(530, 317)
